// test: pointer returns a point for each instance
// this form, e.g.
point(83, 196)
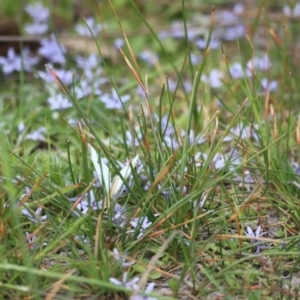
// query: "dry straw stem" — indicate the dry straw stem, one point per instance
point(58, 285)
point(155, 258)
point(135, 69)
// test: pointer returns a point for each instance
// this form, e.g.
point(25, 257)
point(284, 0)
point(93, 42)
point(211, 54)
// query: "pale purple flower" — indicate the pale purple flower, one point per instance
point(59, 102)
point(52, 51)
point(292, 12)
point(213, 79)
point(201, 43)
point(219, 161)
point(234, 32)
point(90, 62)
point(196, 58)
point(36, 28)
point(255, 235)
point(122, 259)
point(21, 127)
point(164, 34)
point(119, 43)
point(149, 57)
point(90, 26)
point(200, 139)
point(91, 67)
point(143, 296)
point(296, 168)
point(82, 238)
point(83, 89)
point(130, 140)
point(177, 31)
point(94, 76)
point(140, 92)
point(34, 217)
point(14, 62)
point(258, 64)
point(28, 59)
point(236, 70)
point(142, 225)
point(88, 87)
point(145, 223)
point(269, 85)
point(119, 217)
point(224, 17)
point(30, 240)
point(131, 285)
point(251, 234)
point(171, 141)
point(10, 63)
point(187, 86)
point(38, 12)
point(66, 76)
point(37, 135)
point(199, 159)
point(231, 160)
point(243, 132)
point(238, 8)
point(165, 124)
point(112, 101)
point(87, 201)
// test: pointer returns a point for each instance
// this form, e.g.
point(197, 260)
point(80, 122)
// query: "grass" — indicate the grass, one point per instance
point(202, 199)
